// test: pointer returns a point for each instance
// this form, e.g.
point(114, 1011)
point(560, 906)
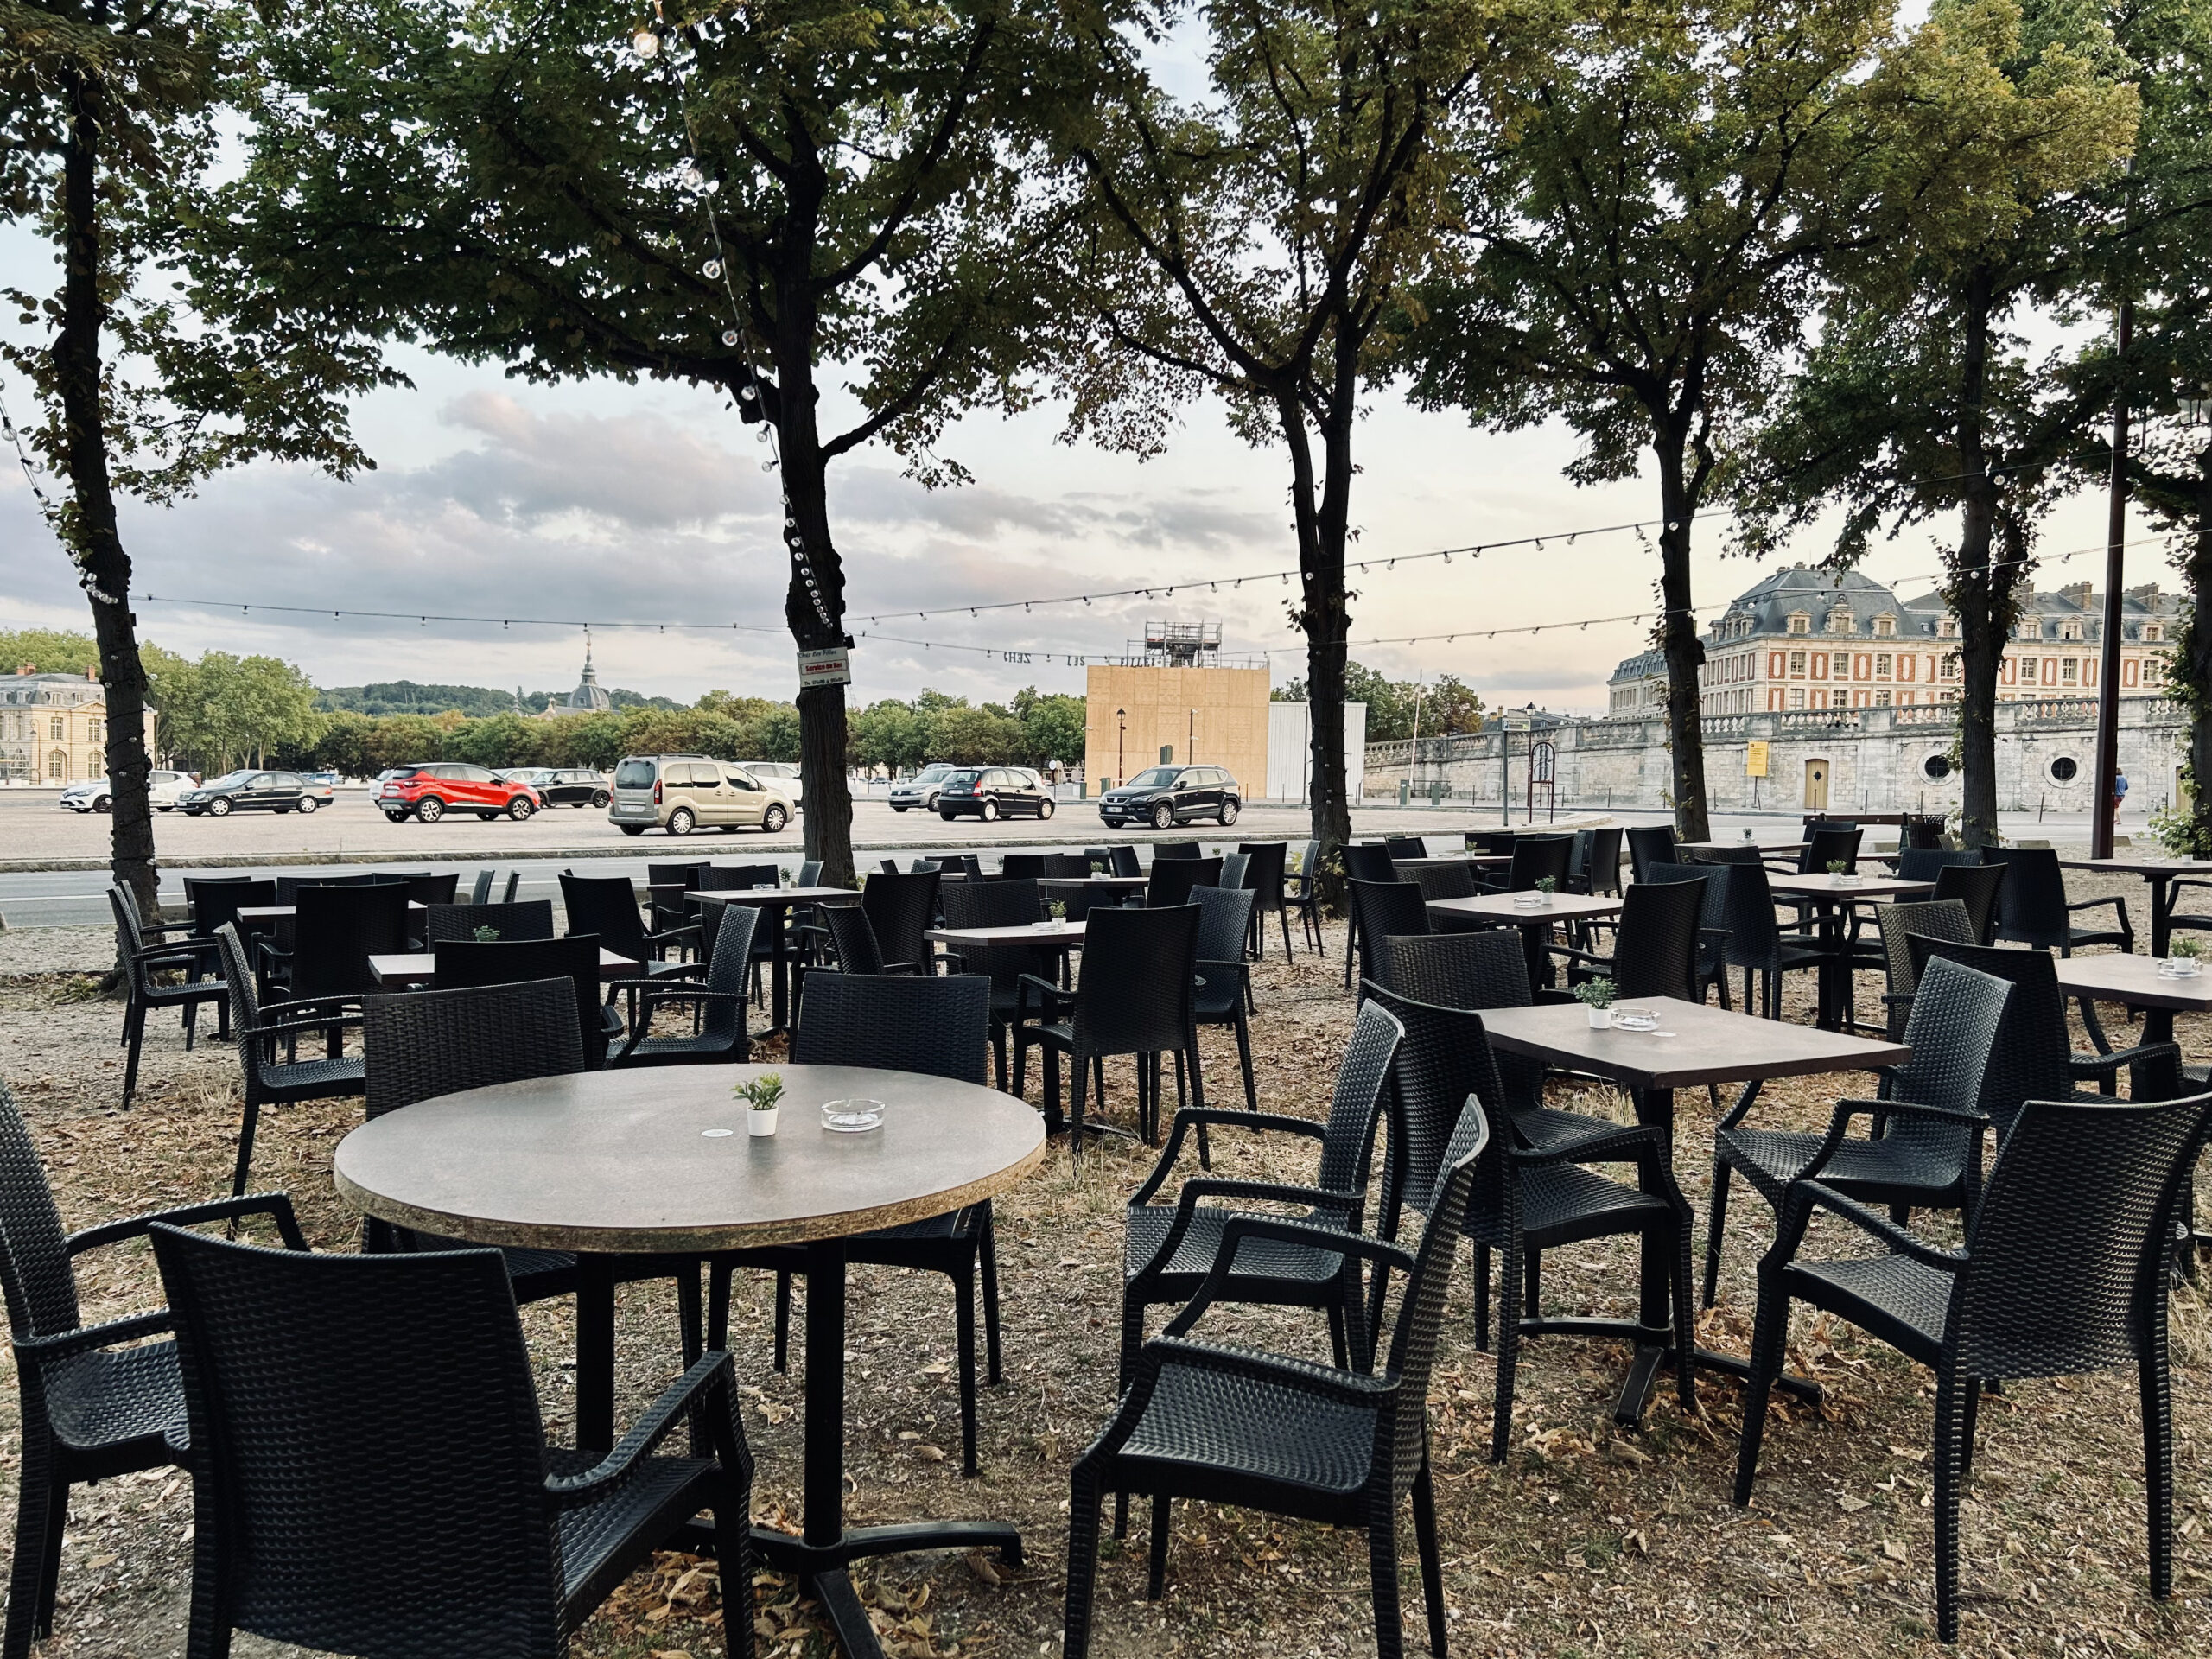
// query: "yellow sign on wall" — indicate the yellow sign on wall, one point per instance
point(1755, 759)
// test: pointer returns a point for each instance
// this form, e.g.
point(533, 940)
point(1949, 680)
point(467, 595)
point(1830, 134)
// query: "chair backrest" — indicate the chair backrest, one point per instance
point(422, 1426)
point(1382, 908)
point(1605, 861)
point(1232, 869)
point(1444, 1061)
point(429, 887)
point(1754, 938)
point(1173, 878)
point(35, 1270)
point(1224, 920)
point(1654, 951)
point(1715, 911)
point(1092, 895)
point(1356, 1106)
point(1134, 991)
point(217, 899)
point(669, 875)
point(481, 893)
point(1535, 857)
point(729, 962)
point(898, 1022)
point(1829, 843)
point(1369, 861)
point(129, 930)
point(1406, 846)
point(1958, 1014)
point(1977, 888)
point(1648, 844)
point(1308, 851)
point(888, 866)
point(1420, 1321)
point(1493, 842)
point(852, 936)
point(1926, 834)
point(737, 877)
point(1023, 866)
point(2031, 902)
point(2068, 1258)
point(1013, 903)
point(337, 931)
point(925, 867)
point(1263, 870)
point(462, 962)
point(1177, 849)
point(1488, 970)
point(1439, 881)
point(419, 1045)
point(605, 906)
point(1578, 861)
point(901, 908)
point(1922, 863)
point(531, 921)
point(2034, 1055)
point(1067, 865)
point(244, 997)
point(1944, 919)
point(809, 873)
point(289, 888)
point(1125, 861)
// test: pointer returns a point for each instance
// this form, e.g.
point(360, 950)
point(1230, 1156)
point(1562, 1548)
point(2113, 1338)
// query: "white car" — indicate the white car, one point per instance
point(167, 789)
point(777, 774)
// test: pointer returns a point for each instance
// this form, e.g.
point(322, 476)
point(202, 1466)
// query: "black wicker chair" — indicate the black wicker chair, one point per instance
point(486, 889)
point(2065, 1270)
point(1302, 892)
point(334, 933)
point(719, 1003)
point(460, 963)
point(1382, 910)
point(1445, 882)
point(141, 961)
point(848, 943)
point(443, 923)
point(1649, 844)
point(1978, 888)
point(1224, 994)
point(2032, 907)
point(1535, 858)
point(902, 909)
point(1363, 860)
point(1263, 875)
point(267, 1080)
point(90, 1408)
point(1922, 863)
point(1022, 866)
point(1712, 922)
point(938, 1027)
point(1125, 861)
point(408, 1502)
point(1654, 947)
point(605, 906)
point(1758, 943)
point(1233, 1426)
point(1177, 849)
point(1938, 919)
point(1010, 902)
point(1172, 879)
point(662, 880)
point(1829, 843)
point(1135, 993)
point(1400, 847)
point(1603, 871)
point(214, 900)
point(1930, 1113)
point(1166, 1248)
point(1530, 1199)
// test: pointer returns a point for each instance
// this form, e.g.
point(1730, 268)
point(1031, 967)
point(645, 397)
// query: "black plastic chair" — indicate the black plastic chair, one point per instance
point(1929, 1115)
point(1263, 876)
point(269, 1080)
point(1125, 861)
point(1400, 847)
point(141, 961)
point(1712, 921)
point(1978, 888)
point(91, 1408)
point(1529, 1200)
point(719, 1037)
point(408, 1502)
point(1924, 833)
point(1829, 843)
point(1938, 919)
point(669, 908)
point(444, 923)
point(1605, 861)
point(2065, 1270)
point(1233, 1426)
point(737, 877)
point(1536, 858)
point(1135, 993)
point(1925, 863)
point(902, 909)
point(1363, 860)
point(605, 906)
point(1655, 946)
point(460, 963)
point(1177, 849)
point(1167, 1248)
point(1222, 995)
point(2032, 907)
point(485, 890)
point(1067, 865)
point(1758, 943)
point(1172, 878)
point(1381, 910)
point(1022, 866)
point(429, 887)
point(1302, 891)
point(900, 1023)
point(334, 933)
point(214, 900)
point(1013, 902)
point(1648, 844)
point(809, 873)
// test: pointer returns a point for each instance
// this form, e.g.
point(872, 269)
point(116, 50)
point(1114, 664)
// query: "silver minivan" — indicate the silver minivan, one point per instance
point(682, 792)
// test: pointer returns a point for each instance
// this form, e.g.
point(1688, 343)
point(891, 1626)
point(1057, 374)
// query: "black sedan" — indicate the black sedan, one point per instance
point(564, 786)
point(1167, 796)
point(253, 791)
point(992, 792)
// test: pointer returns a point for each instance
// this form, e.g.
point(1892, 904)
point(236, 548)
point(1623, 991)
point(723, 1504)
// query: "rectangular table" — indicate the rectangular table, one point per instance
point(268, 913)
point(1694, 1045)
point(1076, 883)
point(1500, 907)
point(406, 970)
point(982, 938)
point(2161, 874)
point(1766, 848)
point(1479, 860)
point(1834, 903)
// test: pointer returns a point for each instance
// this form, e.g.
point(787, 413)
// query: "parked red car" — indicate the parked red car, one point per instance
point(431, 791)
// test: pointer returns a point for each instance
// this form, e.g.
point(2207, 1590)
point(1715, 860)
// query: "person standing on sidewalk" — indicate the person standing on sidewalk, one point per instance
point(2118, 797)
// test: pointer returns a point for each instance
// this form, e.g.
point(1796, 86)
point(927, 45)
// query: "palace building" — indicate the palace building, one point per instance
point(53, 727)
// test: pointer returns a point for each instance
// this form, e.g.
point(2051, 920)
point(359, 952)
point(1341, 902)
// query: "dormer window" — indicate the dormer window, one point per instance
point(1839, 621)
point(2069, 630)
point(1885, 626)
point(1947, 628)
point(1799, 623)
point(2152, 633)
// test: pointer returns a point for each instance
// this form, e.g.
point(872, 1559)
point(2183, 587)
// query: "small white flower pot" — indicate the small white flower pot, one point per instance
point(1600, 1019)
point(760, 1123)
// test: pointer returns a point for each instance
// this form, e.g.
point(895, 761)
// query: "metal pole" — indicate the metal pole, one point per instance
point(2101, 824)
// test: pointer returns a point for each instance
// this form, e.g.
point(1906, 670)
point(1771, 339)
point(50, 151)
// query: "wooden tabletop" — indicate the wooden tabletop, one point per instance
point(1480, 861)
point(290, 912)
point(622, 1162)
point(982, 939)
point(2134, 981)
point(1765, 847)
point(767, 896)
point(1126, 883)
point(421, 968)
point(1500, 907)
point(1823, 885)
point(1709, 1044)
point(2158, 866)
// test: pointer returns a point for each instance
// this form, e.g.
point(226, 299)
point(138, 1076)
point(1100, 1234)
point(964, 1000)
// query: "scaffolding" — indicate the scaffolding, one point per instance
point(1179, 645)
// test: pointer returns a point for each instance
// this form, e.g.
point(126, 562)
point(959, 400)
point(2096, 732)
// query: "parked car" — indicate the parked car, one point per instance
point(253, 791)
point(167, 789)
point(778, 774)
point(921, 789)
point(1166, 796)
point(563, 785)
point(682, 792)
point(328, 779)
point(428, 792)
point(992, 792)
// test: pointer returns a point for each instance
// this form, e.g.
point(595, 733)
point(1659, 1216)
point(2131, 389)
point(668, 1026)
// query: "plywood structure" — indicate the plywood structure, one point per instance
point(1206, 716)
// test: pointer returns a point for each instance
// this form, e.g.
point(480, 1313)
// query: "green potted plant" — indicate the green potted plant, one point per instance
point(760, 1096)
point(1839, 872)
point(1596, 996)
point(2183, 959)
point(485, 936)
point(1058, 910)
point(1548, 885)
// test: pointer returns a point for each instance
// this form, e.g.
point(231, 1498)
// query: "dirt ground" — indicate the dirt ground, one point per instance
point(1586, 1542)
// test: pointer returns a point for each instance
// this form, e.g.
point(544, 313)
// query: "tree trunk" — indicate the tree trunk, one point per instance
point(1679, 640)
point(89, 522)
point(2190, 675)
point(1325, 615)
point(1981, 596)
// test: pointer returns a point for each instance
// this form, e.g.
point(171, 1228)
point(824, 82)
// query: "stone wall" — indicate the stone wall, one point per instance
point(1869, 759)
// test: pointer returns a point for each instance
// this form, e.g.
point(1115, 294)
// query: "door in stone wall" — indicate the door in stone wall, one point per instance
point(1816, 785)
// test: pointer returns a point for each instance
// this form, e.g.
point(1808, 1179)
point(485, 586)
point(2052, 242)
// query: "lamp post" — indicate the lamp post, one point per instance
point(1120, 740)
point(1191, 742)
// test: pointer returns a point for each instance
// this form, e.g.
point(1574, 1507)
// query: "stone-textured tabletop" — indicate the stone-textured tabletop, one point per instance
point(421, 968)
point(1500, 907)
point(1706, 1045)
point(2134, 981)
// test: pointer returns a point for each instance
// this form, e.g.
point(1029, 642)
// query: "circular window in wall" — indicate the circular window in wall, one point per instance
point(1936, 767)
point(2064, 769)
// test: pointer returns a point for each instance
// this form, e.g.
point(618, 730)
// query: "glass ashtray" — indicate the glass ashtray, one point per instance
point(2179, 967)
point(1636, 1019)
point(1530, 900)
point(852, 1116)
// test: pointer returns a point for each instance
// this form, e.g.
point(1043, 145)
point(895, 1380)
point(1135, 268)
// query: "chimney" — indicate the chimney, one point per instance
point(27, 668)
point(2083, 594)
point(92, 673)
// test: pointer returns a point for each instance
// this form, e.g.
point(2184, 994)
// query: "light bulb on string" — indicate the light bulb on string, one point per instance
point(690, 172)
point(646, 43)
point(730, 338)
point(712, 270)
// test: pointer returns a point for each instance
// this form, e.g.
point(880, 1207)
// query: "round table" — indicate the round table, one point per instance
point(608, 1164)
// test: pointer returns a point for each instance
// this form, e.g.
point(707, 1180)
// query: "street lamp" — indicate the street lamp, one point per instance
point(1121, 739)
point(1190, 743)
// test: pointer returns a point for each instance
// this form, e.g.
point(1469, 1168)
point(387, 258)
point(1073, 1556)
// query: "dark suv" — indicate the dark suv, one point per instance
point(1167, 796)
point(563, 785)
point(991, 793)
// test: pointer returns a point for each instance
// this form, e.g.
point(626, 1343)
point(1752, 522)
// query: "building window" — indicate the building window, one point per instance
point(1950, 670)
point(1842, 668)
point(1884, 626)
point(2069, 630)
point(2027, 670)
point(57, 765)
point(1796, 697)
point(59, 729)
point(1882, 666)
point(2064, 769)
point(2068, 670)
point(1947, 628)
point(2154, 671)
point(1882, 699)
point(91, 731)
point(1839, 621)
point(1797, 665)
point(2152, 632)
point(1799, 623)
point(1935, 768)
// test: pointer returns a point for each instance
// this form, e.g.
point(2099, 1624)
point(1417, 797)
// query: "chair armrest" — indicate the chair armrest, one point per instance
point(2113, 900)
point(1319, 1199)
point(1846, 1110)
point(1629, 1143)
point(289, 1028)
point(686, 935)
point(1049, 995)
point(1215, 1117)
point(276, 1205)
point(2100, 1065)
point(709, 1376)
point(1804, 1196)
point(178, 950)
point(86, 1338)
point(1329, 1240)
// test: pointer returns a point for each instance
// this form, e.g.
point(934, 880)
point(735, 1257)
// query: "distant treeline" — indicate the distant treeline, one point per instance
point(476, 702)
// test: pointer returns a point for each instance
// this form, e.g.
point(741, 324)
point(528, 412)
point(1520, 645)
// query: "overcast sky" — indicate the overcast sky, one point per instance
point(611, 503)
